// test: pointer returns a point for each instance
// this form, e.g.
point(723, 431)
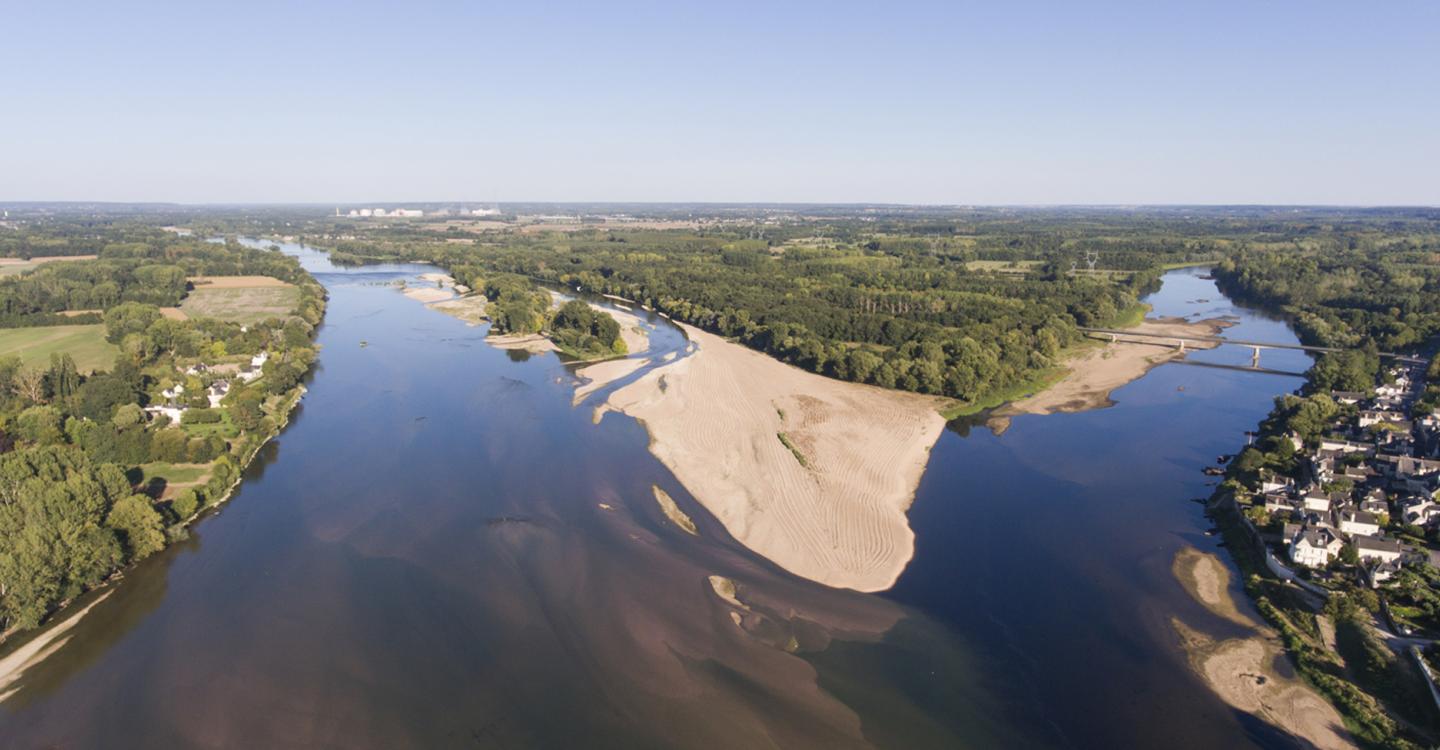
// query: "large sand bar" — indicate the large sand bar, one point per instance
point(715, 418)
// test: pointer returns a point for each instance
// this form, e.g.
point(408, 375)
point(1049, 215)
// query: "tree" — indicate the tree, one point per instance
point(29, 384)
point(128, 317)
point(186, 502)
point(246, 408)
point(128, 415)
point(63, 378)
point(140, 526)
point(41, 425)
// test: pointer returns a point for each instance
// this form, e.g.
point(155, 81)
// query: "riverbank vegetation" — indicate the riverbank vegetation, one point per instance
point(105, 462)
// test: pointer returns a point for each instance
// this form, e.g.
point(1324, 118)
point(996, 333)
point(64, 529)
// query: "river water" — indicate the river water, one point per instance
point(442, 551)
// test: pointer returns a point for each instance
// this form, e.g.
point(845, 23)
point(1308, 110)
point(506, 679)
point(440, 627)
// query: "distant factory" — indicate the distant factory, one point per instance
point(414, 213)
point(381, 213)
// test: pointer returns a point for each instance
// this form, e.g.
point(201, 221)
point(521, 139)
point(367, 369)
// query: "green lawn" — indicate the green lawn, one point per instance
point(86, 344)
point(224, 428)
point(175, 473)
point(244, 305)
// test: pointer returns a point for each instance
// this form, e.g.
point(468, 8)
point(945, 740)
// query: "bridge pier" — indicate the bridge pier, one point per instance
point(1255, 356)
point(1180, 344)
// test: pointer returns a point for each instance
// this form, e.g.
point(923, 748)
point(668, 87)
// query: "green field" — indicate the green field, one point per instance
point(1002, 266)
point(175, 473)
point(245, 305)
point(86, 344)
point(174, 476)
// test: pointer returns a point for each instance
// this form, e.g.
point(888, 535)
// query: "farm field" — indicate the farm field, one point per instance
point(16, 266)
point(240, 299)
point(86, 344)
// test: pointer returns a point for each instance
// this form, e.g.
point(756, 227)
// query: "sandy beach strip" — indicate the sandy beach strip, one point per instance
point(428, 294)
point(13, 666)
point(469, 308)
point(833, 508)
point(632, 329)
point(1242, 671)
point(530, 342)
point(601, 374)
point(1095, 372)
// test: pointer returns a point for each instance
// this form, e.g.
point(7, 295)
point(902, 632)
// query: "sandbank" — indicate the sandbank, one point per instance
point(632, 328)
point(1241, 671)
point(715, 418)
point(530, 342)
point(13, 666)
point(469, 308)
point(428, 294)
point(672, 511)
point(1095, 372)
point(601, 374)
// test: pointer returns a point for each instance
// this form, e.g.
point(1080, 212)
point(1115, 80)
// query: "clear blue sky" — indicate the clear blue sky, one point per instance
point(1253, 101)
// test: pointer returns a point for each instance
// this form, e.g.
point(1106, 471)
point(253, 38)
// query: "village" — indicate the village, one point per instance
point(177, 400)
point(1365, 506)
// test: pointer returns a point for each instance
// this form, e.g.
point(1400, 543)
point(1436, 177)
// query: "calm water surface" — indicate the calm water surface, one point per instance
point(441, 551)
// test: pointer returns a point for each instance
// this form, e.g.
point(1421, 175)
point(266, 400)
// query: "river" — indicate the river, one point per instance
point(441, 551)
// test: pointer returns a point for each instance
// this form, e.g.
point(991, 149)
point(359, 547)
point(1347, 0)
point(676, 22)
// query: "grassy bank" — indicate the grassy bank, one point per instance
point(85, 343)
point(1028, 387)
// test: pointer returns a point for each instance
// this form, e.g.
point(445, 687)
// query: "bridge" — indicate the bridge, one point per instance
point(1179, 343)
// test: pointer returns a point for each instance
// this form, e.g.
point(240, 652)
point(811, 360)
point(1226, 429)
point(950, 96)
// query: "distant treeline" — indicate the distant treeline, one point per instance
point(152, 271)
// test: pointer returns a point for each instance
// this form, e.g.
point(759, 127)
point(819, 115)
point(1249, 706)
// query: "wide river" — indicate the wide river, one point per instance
point(442, 551)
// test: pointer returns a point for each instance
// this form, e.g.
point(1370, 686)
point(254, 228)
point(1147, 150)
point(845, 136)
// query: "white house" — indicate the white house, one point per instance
point(1314, 547)
point(1380, 550)
point(171, 411)
point(1359, 522)
point(1419, 510)
point(1317, 501)
point(216, 392)
point(252, 371)
point(1270, 481)
point(1379, 416)
point(1278, 501)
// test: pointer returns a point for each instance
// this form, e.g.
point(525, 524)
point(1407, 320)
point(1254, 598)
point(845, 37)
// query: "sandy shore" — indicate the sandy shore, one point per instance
point(1241, 670)
point(428, 294)
point(13, 666)
point(632, 329)
point(469, 308)
point(604, 373)
point(1095, 372)
point(530, 342)
point(834, 513)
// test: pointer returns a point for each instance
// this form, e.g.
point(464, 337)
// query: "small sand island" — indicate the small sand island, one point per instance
point(1242, 670)
point(429, 294)
point(812, 473)
point(1096, 372)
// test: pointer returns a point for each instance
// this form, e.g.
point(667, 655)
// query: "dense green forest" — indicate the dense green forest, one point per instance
point(965, 306)
point(895, 314)
point(84, 467)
